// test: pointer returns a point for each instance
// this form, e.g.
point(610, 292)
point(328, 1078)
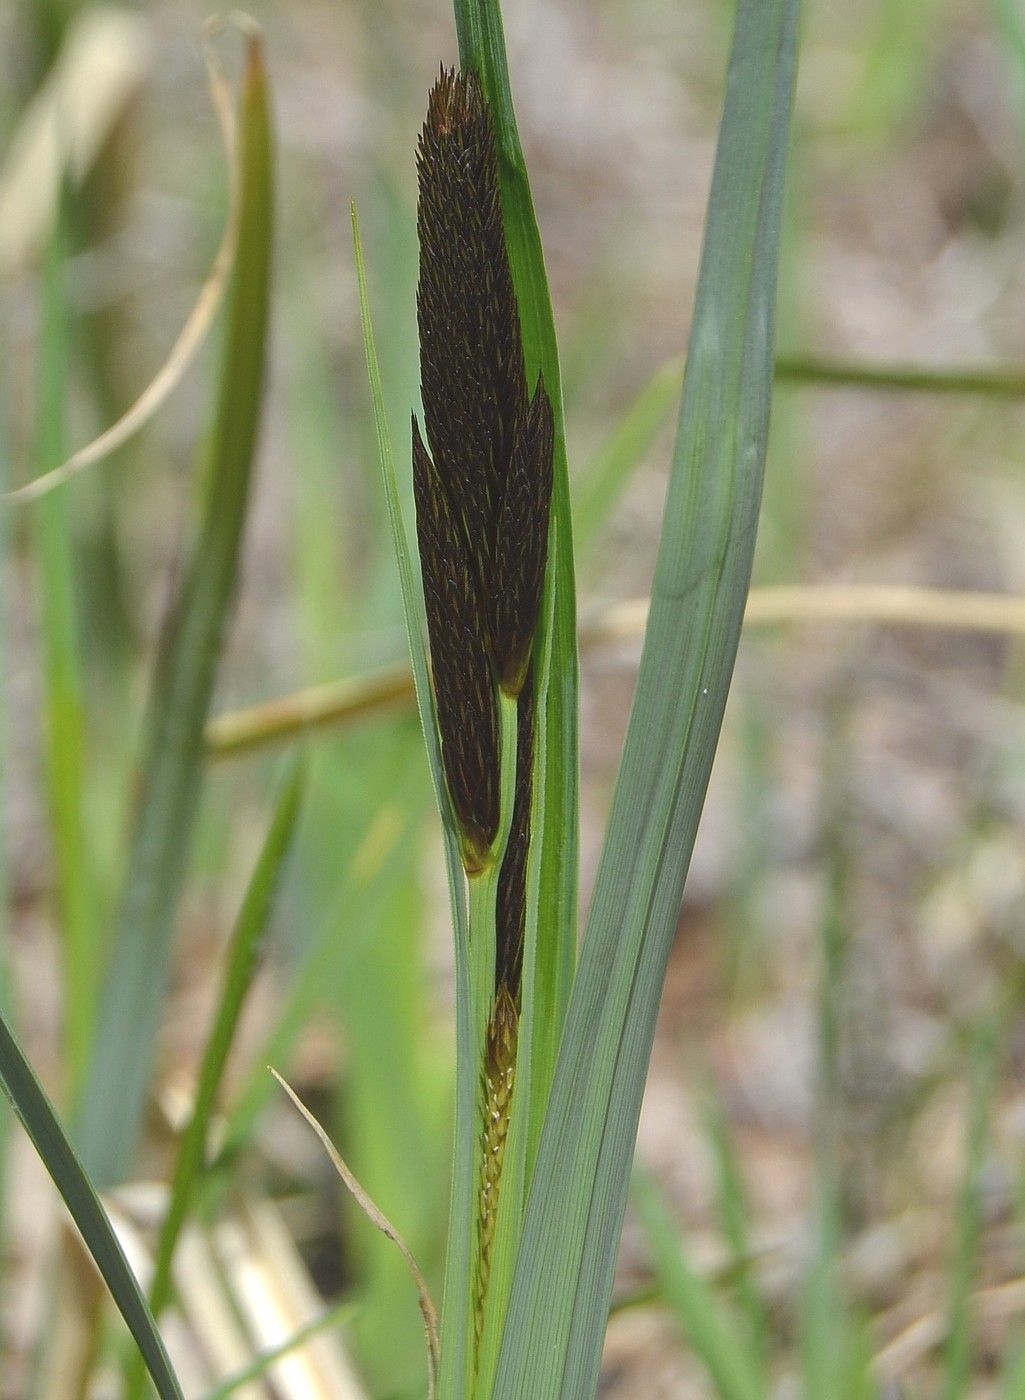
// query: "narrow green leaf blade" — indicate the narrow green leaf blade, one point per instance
point(984, 1066)
point(63, 706)
point(716, 1338)
point(606, 477)
point(556, 1319)
point(242, 963)
point(332, 1317)
point(133, 992)
point(40, 1122)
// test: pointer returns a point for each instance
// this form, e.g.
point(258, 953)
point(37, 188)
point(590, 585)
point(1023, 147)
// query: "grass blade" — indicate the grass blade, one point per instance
point(119, 1071)
point(717, 1340)
point(824, 1322)
point(40, 1122)
point(556, 1319)
point(733, 1217)
point(242, 963)
point(62, 682)
point(357, 915)
point(634, 434)
point(332, 1317)
point(984, 1068)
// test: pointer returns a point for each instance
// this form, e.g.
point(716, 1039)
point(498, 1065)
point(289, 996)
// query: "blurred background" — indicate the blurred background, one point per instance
point(835, 1124)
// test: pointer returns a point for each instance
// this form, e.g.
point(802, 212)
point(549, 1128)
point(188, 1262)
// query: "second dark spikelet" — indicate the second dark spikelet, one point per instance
point(463, 686)
point(521, 550)
point(511, 902)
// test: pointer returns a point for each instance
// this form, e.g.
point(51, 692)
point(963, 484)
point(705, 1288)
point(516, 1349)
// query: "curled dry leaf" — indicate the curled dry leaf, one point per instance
point(200, 318)
point(377, 1218)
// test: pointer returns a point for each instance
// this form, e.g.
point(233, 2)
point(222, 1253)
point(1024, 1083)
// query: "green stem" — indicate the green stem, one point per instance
point(484, 887)
point(483, 894)
point(1001, 381)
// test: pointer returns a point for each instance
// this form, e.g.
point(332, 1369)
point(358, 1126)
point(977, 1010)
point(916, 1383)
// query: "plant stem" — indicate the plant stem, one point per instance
point(483, 890)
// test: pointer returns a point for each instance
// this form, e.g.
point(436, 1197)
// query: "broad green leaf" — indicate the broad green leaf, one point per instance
point(242, 965)
point(109, 1115)
point(719, 1342)
point(41, 1123)
point(556, 1317)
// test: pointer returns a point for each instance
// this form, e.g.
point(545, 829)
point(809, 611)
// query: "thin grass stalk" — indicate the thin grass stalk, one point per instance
point(824, 1318)
point(984, 1066)
point(111, 1107)
point(334, 1316)
point(62, 681)
point(5, 737)
point(241, 966)
point(712, 1331)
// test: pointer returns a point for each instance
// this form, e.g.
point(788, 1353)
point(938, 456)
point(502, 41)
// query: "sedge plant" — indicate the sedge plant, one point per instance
point(552, 1046)
point(552, 1060)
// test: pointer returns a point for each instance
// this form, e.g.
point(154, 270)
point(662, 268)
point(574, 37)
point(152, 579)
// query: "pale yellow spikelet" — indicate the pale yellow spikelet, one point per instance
point(497, 1083)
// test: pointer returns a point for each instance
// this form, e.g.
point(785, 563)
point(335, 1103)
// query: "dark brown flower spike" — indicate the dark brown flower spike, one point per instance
point(522, 544)
point(484, 486)
point(463, 686)
point(473, 381)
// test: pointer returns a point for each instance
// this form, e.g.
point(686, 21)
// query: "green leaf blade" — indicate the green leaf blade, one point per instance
point(64, 727)
point(41, 1123)
point(132, 1000)
point(555, 1325)
point(713, 1334)
point(241, 967)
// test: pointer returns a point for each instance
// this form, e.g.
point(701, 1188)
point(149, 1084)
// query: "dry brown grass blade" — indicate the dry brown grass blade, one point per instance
point(274, 1296)
point(1002, 1302)
point(104, 58)
point(200, 318)
point(355, 697)
point(377, 1218)
point(306, 709)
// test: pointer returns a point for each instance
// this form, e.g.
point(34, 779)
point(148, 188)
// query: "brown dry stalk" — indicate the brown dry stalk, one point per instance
point(340, 702)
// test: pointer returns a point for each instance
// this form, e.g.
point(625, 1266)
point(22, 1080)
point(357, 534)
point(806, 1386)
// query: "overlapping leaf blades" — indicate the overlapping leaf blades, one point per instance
point(556, 1319)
